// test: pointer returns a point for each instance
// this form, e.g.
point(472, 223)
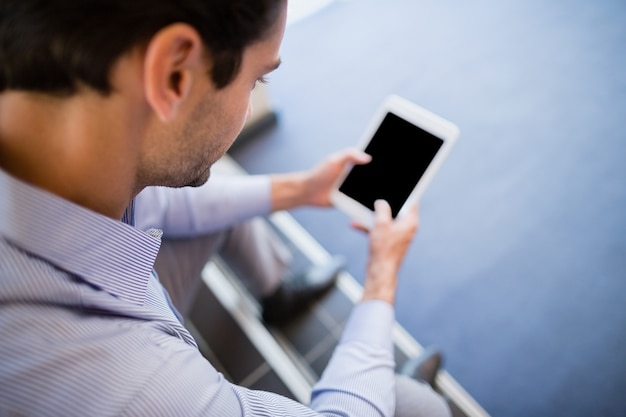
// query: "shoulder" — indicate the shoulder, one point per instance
point(24, 276)
point(69, 361)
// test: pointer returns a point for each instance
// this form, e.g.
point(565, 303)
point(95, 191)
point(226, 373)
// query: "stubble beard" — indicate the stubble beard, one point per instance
point(202, 141)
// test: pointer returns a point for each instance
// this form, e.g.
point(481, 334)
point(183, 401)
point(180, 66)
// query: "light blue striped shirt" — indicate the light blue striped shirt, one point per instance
point(86, 328)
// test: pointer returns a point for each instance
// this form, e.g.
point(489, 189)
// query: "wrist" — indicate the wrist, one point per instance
point(381, 282)
point(288, 191)
point(384, 293)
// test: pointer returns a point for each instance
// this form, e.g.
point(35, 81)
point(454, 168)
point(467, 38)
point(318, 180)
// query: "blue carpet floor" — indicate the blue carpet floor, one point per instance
point(519, 270)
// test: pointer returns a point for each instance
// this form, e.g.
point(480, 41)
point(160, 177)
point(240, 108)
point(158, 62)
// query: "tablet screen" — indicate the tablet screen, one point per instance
point(401, 152)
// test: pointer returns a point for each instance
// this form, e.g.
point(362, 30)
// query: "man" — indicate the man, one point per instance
point(100, 99)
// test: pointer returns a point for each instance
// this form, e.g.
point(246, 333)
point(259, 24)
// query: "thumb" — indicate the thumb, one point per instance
point(382, 210)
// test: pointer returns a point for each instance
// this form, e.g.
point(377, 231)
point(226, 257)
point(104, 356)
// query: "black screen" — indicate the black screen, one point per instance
point(400, 152)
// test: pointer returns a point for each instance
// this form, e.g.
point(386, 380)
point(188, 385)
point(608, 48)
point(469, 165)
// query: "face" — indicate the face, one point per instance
point(206, 132)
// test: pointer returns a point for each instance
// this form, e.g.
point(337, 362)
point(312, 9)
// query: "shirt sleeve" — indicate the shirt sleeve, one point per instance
point(221, 202)
point(359, 379)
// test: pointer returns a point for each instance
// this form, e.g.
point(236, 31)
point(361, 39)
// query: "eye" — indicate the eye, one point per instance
point(260, 80)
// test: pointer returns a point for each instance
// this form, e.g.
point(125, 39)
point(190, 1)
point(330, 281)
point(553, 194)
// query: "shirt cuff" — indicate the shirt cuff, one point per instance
point(371, 322)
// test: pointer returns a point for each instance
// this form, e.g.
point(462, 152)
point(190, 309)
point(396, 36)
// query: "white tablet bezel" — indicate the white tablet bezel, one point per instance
point(421, 118)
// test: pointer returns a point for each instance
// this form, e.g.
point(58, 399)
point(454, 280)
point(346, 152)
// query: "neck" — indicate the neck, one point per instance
point(77, 148)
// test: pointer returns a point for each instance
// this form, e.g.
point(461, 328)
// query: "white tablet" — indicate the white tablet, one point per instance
point(407, 144)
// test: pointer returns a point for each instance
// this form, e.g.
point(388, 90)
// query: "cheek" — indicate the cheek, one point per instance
point(244, 110)
point(245, 103)
point(234, 122)
point(250, 111)
point(232, 115)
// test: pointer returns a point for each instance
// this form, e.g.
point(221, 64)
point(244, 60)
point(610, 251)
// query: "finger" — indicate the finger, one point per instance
point(355, 156)
point(361, 158)
point(358, 226)
point(382, 211)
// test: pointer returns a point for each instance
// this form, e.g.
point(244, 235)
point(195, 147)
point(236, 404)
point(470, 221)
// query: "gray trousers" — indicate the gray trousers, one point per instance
point(262, 260)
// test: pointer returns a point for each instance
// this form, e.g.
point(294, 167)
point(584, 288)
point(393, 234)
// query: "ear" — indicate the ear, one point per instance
point(174, 56)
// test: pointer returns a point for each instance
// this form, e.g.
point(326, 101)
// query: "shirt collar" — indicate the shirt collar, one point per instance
point(109, 254)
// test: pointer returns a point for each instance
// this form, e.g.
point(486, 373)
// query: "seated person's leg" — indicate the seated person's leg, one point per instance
point(262, 261)
point(415, 394)
point(180, 263)
point(418, 399)
point(258, 257)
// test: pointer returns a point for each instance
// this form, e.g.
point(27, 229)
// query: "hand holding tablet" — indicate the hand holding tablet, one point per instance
point(408, 145)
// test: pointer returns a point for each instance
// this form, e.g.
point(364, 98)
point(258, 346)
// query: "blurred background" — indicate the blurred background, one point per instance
point(518, 272)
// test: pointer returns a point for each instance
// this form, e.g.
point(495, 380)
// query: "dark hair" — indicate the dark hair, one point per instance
point(53, 46)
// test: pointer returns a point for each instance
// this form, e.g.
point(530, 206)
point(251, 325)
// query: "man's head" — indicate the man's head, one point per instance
point(51, 46)
point(125, 94)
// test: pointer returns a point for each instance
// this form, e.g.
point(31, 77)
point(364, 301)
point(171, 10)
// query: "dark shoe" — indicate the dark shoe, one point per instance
point(296, 293)
point(424, 367)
